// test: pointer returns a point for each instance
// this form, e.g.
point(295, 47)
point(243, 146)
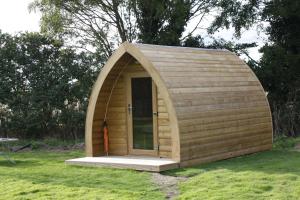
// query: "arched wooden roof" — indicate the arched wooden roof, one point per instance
point(205, 91)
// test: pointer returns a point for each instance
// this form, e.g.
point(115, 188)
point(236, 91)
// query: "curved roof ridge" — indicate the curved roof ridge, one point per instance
point(178, 47)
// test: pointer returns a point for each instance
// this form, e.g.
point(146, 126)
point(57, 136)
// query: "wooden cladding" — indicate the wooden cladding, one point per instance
point(117, 117)
point(210, 104)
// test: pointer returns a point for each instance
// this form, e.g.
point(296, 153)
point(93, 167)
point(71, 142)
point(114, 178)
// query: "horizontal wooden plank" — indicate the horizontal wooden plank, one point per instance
point(210, 133)
point(163, 115)
point(98, 138)
point(118, 146)
point(183, 62)
point(163, 122)
point(117, 104)
point(226, 148)
point(177, 98)
point(211, 100)
point(202, 140)
point(229, 154)
point(117, 134)
point(151, 49)
point(116, 116)
point(135, 69)
point(189, 56)
point(116, 122)
point(119, 140)
point(161, 65)
point(221, 118)
point(117, 129)
point(223, 146)
point(213, 89)
point(222, 112)
point(155, 48)
point(117, 109)
point(188, 74)
point(118, 89)
point(202, 108)
point(203, 84)
point(160, 102)
point(162, 109)
point(210, 78)
point(202, 68)
point(221, 125)
point(165, 148)
point(165, 135)
point(98, 144)
point(164, 142)
point(165, 154)
point(164, 128)
point(116, 97)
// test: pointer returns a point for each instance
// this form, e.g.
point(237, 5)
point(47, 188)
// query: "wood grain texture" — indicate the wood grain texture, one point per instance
point(164, 129)
point(117, 115)
point(211, 106)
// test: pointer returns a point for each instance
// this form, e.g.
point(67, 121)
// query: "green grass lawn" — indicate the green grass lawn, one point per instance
point(43, 175)
point(267, 175)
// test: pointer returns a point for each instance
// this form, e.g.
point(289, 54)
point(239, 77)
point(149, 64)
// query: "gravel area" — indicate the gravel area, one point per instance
point(168, 184)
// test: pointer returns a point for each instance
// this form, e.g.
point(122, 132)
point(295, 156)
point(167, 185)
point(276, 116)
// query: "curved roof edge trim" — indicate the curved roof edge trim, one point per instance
point(134, 51)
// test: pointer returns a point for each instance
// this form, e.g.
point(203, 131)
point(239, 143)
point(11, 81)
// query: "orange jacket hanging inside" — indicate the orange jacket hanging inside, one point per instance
point(105, 137)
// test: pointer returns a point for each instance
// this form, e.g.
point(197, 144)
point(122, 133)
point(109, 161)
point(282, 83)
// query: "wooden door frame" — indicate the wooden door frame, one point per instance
point(131, 150)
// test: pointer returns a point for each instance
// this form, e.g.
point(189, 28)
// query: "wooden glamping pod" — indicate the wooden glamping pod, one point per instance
point(170, 107)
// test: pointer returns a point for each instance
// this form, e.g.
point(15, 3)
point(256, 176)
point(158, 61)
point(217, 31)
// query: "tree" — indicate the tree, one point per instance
point(41, 83)
point(105, 24)
point(280, 65)
point(278, 68)
point(238, 14)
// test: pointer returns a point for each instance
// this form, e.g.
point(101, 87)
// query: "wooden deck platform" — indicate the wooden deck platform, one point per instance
point(127, 162)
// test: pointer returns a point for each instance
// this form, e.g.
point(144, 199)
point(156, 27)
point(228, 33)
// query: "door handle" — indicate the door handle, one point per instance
point(155, 113)
point(129, 107)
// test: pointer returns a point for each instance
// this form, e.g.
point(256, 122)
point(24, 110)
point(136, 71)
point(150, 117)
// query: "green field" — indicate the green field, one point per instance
point(43, 175)
point(267, 175)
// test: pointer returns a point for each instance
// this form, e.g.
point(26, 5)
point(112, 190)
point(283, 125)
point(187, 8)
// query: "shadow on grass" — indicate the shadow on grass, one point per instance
point(19, 163)
point(271, 162)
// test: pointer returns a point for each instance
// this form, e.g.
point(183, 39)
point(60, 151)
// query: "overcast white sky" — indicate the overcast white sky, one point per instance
point(15, 17)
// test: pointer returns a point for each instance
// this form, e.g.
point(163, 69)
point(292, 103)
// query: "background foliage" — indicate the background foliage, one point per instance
point(44, 86)
point(46, 77)
point(279, 67)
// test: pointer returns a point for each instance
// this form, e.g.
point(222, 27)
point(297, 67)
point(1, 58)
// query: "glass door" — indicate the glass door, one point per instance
point(142, 116)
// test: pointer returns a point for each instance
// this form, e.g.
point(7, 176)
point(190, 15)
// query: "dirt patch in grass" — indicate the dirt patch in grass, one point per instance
point(168, 184)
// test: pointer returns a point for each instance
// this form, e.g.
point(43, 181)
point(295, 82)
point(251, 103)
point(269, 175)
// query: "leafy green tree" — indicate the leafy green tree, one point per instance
point(105, 24)
point(164, 21)
point(42, 82)
point(280, 64)
point(238, 14)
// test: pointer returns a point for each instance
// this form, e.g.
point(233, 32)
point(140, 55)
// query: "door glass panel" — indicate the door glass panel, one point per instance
point(142, 115)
